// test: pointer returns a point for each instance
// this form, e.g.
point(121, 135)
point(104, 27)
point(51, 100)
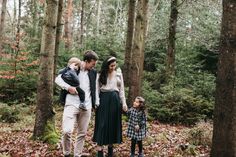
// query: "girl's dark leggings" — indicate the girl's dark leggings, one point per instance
point(133, 144)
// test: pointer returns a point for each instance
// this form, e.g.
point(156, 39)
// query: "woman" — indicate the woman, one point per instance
point(110, 86)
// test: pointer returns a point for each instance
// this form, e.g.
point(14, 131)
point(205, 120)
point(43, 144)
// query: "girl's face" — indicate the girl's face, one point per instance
point(112, 67)
point(77, 65)
point(136, 103)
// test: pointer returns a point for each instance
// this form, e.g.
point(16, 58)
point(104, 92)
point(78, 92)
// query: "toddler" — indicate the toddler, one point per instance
point(70, 75)
point(137, 125)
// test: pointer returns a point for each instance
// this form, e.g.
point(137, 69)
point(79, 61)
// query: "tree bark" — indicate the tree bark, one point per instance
point(2, 24)
point(68, 25)
point(98, 17)
point(129, 41)
point(82, 24)
point(18, 30)
point(34, 9)
point(136, 69)
point(44, 122)
point(58, 35)
point(17, 45)
point(224, 127)
point(171, 37)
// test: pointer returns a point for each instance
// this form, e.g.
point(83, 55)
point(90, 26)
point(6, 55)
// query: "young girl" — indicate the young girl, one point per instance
point(137, 125)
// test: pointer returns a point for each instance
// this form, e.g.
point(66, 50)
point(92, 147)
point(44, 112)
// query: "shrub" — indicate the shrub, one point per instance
point(9, 114)
point(201, 134)
point(175, 103)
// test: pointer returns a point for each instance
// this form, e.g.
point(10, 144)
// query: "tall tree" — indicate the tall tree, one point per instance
point(58, 34)
point(224, 127)
point(18, 29)
point(2, 24)
point(44, 122)
point(34, 10)
point(68, 25)
point(171, 37)
point(17, 45)
point(98, 3)
point(129, 41)
point(82, 23)
point(137, 58)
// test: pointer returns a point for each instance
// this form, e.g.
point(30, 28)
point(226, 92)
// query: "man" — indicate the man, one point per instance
point(72, 115)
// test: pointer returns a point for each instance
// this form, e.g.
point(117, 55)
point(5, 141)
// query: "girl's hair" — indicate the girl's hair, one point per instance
point(73, 60)
point(142, 105)
point(104, 70)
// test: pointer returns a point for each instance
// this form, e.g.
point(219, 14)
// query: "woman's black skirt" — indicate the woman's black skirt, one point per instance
point(108, 127)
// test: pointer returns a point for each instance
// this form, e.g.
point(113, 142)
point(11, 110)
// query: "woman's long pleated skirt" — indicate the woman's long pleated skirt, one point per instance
point(108, 125)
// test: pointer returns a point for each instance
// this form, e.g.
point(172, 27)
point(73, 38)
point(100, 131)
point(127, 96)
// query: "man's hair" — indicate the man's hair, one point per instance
point(90, 55)
point(73, 60)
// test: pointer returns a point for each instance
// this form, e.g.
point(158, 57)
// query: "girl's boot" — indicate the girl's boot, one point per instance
point(140, 154)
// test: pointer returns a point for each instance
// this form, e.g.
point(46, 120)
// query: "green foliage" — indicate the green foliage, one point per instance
point(185, 98)
point(177, 105)
point(187, 150)
point(18, 79)
point(9, 114)
point(201, 134)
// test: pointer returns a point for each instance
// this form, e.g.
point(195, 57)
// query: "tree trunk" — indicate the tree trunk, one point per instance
point(82, 24)
point(129, 41)
point(2, 24)
point(136, 69)
point(224, 127)
point(98, 17)
point(44, 127)
point(171, 38)
point(14, 20)
point(17, 48)
point(58, 35)
point(18, 30)
point(68, 25)
point(34, 9)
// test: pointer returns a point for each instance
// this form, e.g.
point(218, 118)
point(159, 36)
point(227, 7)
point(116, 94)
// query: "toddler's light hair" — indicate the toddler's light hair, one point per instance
point(75, 60)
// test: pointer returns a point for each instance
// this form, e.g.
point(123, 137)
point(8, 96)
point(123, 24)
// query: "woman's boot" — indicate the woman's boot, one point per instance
point(110, 151)
point(100, 153)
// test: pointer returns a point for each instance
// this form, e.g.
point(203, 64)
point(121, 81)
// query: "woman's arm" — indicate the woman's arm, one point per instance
point(122, 92)
point(97, 99)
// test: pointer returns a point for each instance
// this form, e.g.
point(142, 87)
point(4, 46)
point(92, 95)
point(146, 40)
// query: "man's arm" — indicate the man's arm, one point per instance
point(60, 82)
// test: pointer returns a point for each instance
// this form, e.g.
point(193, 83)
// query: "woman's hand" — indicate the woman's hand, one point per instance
point(125, 108)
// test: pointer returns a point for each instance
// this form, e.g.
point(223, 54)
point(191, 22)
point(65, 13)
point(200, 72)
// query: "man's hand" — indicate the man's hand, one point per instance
point(72, 90)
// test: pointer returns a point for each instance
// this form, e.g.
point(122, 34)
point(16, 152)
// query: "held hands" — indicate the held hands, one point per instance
point(72, 90)
point(136, 127)
point(125, 108)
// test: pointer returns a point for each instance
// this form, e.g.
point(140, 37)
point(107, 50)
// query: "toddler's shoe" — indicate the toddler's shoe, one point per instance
point(82, 106)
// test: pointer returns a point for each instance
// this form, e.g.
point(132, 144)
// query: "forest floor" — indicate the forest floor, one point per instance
point(163, 140)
